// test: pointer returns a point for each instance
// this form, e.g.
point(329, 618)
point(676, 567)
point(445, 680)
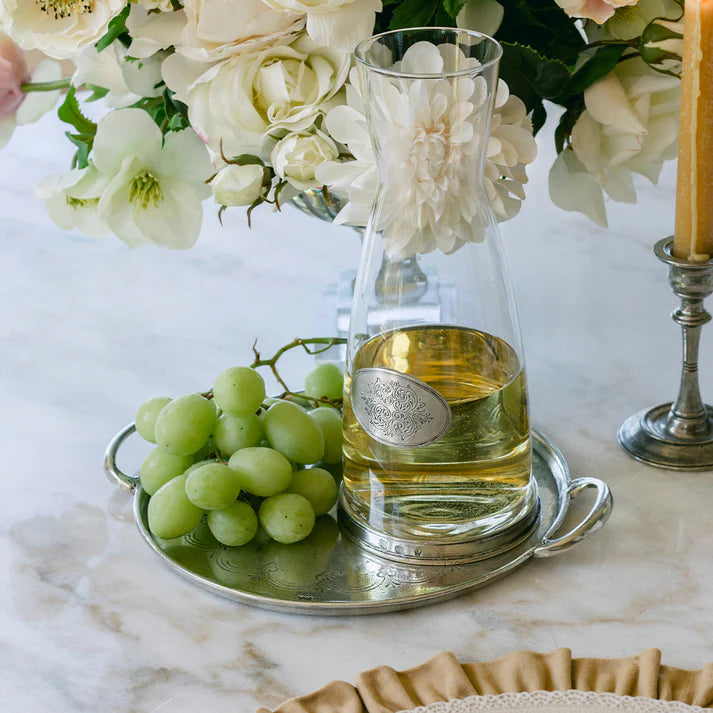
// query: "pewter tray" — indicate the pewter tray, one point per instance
point(326, 575)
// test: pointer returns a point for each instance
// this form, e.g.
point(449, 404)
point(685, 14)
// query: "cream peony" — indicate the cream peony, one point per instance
point(341, 24)
point(246, 101)
point(598, 10)
point(237, 185)
point(630, 125)
point(296, 157)
point(59, 28)
point(155, 184)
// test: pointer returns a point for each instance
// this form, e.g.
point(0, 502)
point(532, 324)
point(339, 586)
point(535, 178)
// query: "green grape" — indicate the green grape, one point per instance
point(287, 517)
point(330, 421)
point(233, 526)
point(159, 467)
point(292, 432)
point(184, 426)
point(261, 471)
point(318, 487)
point(171, 513)
point(212, 487)
point(231, 433)
point(146, 417)
point(300, 562)
point(325, 380)
point(199, 464)
point(239, 389)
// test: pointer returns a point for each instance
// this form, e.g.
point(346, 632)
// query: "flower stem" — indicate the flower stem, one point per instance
point(47, 86)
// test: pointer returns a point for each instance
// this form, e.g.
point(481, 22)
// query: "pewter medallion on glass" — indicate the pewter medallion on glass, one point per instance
point(398, 409)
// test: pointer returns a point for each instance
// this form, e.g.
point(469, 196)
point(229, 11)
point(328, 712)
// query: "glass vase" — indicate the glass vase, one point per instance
point(436, 431)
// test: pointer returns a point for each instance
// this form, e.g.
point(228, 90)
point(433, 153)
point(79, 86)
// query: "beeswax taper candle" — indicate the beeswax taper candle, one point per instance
point(694, 189)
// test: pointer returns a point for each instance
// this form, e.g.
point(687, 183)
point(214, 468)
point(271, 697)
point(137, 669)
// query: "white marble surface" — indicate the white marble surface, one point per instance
point(91, 620)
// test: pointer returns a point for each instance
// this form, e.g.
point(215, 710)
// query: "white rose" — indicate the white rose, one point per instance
point(335, 23)
point(244, 99)
point(296, 158)
point(238, 185)
point(217, 29)
point(57, 27)
point(598, 10)
point(481, 15)
point(629, 22)
point(630, 125)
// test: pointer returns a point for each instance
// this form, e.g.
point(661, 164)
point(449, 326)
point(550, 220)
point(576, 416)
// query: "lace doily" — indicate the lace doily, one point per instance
point(556, 702)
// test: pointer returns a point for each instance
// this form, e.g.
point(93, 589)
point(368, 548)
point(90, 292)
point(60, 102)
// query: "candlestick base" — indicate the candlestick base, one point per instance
point(645, 437)
point(678, 435)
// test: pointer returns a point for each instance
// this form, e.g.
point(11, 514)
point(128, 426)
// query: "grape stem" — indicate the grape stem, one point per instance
point(313, 346)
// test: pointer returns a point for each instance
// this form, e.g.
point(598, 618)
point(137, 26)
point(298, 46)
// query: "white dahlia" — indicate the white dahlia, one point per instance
point(429, 123)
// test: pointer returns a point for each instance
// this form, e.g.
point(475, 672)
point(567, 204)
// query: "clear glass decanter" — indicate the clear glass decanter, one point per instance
point(436, 432)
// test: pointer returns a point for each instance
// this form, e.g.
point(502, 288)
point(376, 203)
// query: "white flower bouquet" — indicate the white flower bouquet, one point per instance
point(257, 101)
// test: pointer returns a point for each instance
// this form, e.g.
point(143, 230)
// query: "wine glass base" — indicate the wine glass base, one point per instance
point(643, 437)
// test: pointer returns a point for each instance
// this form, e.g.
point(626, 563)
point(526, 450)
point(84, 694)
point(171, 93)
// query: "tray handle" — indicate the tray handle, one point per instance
point(595, 519)
point(112, 470)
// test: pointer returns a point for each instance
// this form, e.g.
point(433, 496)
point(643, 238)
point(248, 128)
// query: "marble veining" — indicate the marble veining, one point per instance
point(90, 618)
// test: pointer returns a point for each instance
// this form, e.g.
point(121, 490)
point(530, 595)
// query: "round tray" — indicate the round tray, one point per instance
point(326, 575)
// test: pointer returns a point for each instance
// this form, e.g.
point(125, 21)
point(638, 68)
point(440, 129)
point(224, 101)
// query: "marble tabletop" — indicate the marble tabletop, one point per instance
point(92, 621)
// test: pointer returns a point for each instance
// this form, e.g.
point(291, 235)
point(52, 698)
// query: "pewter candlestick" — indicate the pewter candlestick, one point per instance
point(678, 436)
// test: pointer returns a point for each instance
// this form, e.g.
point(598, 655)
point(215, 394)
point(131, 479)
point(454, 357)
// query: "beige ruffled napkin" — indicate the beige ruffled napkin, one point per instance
point(443, 678)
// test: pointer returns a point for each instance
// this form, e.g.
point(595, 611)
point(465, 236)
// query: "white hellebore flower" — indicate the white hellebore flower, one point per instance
point(237, 185)
point(598, 10)
point(245, 99)
point(296, 157)
point(72, 200)
point(127, 80)
point(57, 27)
point(156, 184)
point(341, 24)
point(630, 125)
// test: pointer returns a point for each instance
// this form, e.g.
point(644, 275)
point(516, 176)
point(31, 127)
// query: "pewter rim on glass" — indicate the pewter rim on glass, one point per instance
point(678, 435)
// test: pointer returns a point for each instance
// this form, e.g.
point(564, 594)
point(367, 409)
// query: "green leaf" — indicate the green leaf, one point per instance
point(658, 31)
point(84, 143)
point(96, 92)
point(597, 66)
point(413, 13)
point(70, 113)
point(532, 76)
point(115, 28)
point(542, 25)
point(453, 7)
point(567, 122)
point(539, 116)
point(442, 18)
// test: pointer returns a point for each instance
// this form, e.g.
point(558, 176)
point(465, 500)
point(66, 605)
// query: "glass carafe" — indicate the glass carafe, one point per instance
point(436, 432)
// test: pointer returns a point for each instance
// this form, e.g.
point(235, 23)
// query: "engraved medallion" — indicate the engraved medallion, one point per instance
point(398, 409)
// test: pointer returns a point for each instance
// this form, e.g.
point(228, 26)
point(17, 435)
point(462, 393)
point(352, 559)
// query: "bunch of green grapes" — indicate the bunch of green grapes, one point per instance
point(240, 458)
